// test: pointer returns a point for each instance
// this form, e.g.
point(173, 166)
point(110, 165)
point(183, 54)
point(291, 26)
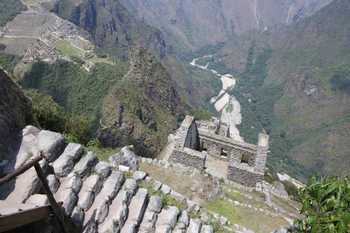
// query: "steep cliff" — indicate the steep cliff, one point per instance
point(294, 82)
point(113, 28)
point(15, 113)
point(143, 108)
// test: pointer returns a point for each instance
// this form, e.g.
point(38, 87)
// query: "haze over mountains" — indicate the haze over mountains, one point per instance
point(194, 24)
point(291, 60)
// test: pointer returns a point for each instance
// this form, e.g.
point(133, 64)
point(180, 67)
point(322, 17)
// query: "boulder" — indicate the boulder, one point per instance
point(103, 169)
point(83, 167)
point(51, 144)
point(65, 162)
point(139, 175)
point(74, 150)
point(165, 189)
point(125, 157)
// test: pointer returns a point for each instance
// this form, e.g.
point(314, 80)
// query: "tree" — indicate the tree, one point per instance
point(325, 205)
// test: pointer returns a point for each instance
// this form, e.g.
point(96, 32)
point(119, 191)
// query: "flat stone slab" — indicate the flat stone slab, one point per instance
point(195, 226)
point(38, 200)
point(51, 144)
point(85, 164)
point(137, 209)
point(167, 218)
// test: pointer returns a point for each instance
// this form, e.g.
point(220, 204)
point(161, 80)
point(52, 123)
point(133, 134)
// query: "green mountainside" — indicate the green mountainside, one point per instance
point(9, 9)
point(294, 83)
point(112, 27)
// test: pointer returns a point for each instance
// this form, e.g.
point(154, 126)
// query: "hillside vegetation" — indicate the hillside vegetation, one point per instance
point(9, 9)
point(294, 83)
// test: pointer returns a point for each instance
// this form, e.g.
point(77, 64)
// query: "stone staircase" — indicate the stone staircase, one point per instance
point(96, 195)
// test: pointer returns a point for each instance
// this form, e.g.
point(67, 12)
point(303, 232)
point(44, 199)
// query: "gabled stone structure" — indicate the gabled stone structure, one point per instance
point(198, 142)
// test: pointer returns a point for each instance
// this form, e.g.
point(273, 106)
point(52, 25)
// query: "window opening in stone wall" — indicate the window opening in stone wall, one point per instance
point(204, 147)
point(223, 153)
point(245, 158)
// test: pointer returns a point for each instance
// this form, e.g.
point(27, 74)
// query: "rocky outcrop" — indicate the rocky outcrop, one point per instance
point(112, 26)
point(15, 113)
point(143, 109)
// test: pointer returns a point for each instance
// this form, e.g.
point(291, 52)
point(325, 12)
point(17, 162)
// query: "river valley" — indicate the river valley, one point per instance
point(224, 103)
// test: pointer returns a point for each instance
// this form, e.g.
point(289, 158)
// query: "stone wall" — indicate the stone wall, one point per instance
point(244, 174)
point(233, 153)
point(189, 158)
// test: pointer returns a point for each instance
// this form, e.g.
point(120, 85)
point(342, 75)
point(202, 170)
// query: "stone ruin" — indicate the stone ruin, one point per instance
point(98, 196)
point(202, 144)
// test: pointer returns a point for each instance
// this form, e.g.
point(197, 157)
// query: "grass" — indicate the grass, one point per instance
point(103, 153)
point(256, 221)
point(167, 200)
point(66, 49)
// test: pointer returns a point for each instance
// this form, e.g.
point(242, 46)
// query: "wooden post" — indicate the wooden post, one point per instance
point(55, 207)
point(22, 169)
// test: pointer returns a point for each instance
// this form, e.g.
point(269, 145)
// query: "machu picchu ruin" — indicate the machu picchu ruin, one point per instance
point(207, 145)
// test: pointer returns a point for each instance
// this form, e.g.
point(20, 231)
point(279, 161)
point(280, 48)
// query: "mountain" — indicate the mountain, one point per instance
point(90, 71)
point(112, 27)
point(189, 24)
point(143, 108)
point(294, 82)
point(15, 113)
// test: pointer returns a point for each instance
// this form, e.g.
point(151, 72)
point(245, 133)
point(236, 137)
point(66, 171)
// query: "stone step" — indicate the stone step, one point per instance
point(25, 185)
point(183, 222)
point(85, 164)
point(118, 210)
point(91, 186)
point(195, 226)
point(150, 217)
point(66, 161)
point(137, 209)
point(110, 189)
point(167, 219)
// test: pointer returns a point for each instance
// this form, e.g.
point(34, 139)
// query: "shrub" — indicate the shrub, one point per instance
point(326, 206)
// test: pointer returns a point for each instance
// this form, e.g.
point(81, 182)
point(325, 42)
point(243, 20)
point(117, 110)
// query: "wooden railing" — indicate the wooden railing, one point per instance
point(34, 162)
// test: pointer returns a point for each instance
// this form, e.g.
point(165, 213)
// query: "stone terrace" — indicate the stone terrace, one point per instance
point(99, 196)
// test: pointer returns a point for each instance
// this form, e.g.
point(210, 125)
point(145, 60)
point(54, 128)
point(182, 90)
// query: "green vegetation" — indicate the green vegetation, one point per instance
point(66, 49)
point(103, 153)
point(49, 115)
point(9, 9)
point(8, 62)
point(202, 114)
point(341, 80)
point(326, 206)
point(258, 101)
point(78, 91)
point(167, 200)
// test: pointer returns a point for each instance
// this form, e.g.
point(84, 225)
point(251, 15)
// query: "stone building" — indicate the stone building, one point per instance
point(206, 145)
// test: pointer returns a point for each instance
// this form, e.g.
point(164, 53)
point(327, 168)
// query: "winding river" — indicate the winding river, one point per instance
point(223, 102)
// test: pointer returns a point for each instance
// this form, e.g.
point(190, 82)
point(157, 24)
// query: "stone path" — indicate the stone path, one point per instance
point(96, 195)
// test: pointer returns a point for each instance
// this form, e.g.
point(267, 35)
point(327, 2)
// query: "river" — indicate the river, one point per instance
point(223, 102)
